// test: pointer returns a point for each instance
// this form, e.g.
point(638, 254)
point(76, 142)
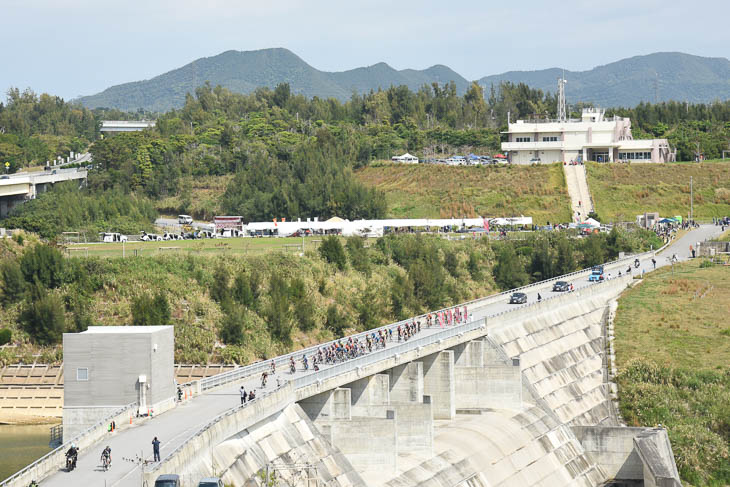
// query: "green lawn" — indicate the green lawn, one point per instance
point(438, 191)
point(622, 191)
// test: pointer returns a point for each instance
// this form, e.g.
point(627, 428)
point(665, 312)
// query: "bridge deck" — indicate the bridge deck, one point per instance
point(175, 426)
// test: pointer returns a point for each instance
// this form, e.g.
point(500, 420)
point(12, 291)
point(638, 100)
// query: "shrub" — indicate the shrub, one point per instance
point(508, 271)
point(43, 318)
point(5, 336)
point(44, 264)
point(278, 311)
point(232, 325)
point(331, 251)
point(12, 283)
point(151, 311)
point(219, 289)
point(336, 321)
point(705, 263)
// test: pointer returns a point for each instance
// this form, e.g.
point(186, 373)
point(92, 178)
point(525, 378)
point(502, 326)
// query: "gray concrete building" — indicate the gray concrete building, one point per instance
point(109, 367)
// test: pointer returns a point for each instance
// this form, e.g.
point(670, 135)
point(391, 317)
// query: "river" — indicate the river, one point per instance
point(21, 445)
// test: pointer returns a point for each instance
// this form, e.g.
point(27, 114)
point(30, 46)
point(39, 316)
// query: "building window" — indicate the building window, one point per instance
point(523, 139)
point(551, 138)
point(82, 373)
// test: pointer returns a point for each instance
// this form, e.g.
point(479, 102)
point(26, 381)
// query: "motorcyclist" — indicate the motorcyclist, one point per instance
point(636, 263)
point(71, 457)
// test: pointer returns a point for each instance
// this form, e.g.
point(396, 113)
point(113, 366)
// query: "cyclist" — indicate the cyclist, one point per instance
point(106, 457)
point(292, 366)
point(263, 379)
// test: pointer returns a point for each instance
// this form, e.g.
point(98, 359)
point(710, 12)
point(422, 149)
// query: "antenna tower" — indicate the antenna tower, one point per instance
point(562, 115)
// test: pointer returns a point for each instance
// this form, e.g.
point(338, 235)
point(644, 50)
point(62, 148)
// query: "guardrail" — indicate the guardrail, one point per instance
point(283, 361)
point(50, 461)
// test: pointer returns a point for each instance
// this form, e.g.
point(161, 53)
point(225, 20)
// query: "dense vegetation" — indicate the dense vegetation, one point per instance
point(68, 208)
point(673, 350)
point(283, 155)
point(237, 309)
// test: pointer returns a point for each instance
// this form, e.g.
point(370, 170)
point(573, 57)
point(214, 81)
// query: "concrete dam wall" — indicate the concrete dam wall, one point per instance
point(493, 406)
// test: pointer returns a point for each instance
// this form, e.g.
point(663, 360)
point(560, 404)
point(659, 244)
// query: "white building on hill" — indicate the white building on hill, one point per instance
point(592, 138)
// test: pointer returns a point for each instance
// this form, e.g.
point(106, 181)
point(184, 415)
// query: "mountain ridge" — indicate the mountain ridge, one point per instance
point(625, 82)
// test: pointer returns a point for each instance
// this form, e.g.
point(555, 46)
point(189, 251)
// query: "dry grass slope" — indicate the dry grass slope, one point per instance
point(429, 191)
point(622, 191)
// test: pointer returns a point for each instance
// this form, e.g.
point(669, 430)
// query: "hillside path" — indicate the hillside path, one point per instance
point(581, 202)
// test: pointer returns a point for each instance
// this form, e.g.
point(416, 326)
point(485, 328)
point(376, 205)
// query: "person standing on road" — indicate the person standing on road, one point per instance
point(653, 262)
point(156, 449)
point(243, 395)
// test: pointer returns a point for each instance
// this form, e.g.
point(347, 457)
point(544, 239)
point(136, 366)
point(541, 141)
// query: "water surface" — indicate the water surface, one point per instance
point(21, 445)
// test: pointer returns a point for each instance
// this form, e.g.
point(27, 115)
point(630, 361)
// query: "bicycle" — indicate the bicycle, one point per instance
point(106, 462)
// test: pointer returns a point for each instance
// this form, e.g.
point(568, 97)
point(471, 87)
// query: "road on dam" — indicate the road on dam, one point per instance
point(131, 447)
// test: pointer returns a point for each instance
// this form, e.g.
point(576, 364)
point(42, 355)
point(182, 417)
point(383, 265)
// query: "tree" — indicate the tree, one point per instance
point(151, 311)
point(401, 296)
point(331, 251)
point(233, 324)
point(336, 321)
point(302, 304)
point(474, 267)
point(12, 283)
point(278, 311)
point(43, 318)
point(542, 265)
point(219, 289)
point(44, 264)
point(358, 255)
point(593, 251)
point(508, 271)
point(565, 262)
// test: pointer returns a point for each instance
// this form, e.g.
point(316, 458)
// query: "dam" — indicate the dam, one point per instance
point(512, 395)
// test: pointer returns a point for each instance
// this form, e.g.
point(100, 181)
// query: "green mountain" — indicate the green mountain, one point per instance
point(244, 71)
point(676, 76)
point(664, 75)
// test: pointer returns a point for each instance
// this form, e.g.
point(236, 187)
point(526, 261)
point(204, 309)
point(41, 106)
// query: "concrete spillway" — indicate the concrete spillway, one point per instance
point(492, 407)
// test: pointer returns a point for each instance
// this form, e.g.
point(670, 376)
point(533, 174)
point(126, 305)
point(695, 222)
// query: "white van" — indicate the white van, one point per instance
point(109, 237)
point(185, 219)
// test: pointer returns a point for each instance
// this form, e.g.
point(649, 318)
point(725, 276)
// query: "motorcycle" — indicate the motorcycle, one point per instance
point(70, 462)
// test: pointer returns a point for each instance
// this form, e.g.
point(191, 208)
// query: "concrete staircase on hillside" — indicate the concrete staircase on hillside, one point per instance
point(580, 195)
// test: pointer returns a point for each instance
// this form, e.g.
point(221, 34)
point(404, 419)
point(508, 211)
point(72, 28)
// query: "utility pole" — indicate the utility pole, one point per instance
point(691, 200)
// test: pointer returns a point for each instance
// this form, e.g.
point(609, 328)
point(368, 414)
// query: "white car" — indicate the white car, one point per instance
point(108, 237)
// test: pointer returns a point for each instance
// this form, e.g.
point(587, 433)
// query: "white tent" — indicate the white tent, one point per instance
point(592, 222)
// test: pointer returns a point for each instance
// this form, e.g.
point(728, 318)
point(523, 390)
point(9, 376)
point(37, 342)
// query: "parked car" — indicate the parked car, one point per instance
point(561, 287)
point(518, 298)
point(210, 482)
point(185, 219)
point(596, 274)
point(168, 480)
point(112, 237)
point(150, 237)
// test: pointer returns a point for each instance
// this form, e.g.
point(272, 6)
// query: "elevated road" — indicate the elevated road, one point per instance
point(132, 446)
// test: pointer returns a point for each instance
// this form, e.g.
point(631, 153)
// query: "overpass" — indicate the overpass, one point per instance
point(515, 395)
point(19, 187)
point(116, 126)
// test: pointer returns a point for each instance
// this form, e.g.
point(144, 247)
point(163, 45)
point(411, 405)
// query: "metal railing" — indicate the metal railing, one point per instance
point(283, 361)
point(76, 439)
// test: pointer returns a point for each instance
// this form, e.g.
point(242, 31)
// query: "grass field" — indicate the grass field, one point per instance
point(622, 191)
point(436, 191)
point(678, 319)
point(227, 246)
point(673, 356)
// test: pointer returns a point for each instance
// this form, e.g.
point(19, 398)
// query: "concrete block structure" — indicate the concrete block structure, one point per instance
point(108, 367)
point(593, 137)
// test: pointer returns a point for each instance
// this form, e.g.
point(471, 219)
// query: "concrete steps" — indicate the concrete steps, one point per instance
point(580, 196)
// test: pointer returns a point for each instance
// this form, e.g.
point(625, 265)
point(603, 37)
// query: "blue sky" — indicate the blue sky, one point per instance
point(79, 47)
